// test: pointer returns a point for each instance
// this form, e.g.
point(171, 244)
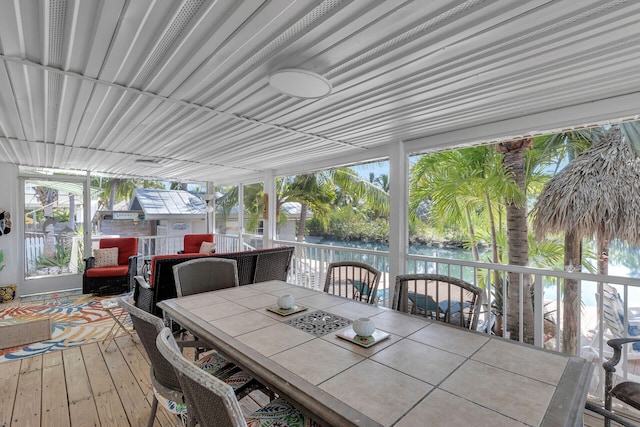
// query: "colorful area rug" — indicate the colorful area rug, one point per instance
point(75, 320)
point(52, 295)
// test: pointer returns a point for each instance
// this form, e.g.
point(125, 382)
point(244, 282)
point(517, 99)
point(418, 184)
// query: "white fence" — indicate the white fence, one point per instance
point(310, 262)
point(68, 258)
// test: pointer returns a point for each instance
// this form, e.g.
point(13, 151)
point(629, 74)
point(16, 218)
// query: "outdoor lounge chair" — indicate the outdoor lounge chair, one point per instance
point(613, 324)
point(352, 279)
point(213, 402)
point(112, 268)
point(192, 243)
point(443, 298)
point(166, 387)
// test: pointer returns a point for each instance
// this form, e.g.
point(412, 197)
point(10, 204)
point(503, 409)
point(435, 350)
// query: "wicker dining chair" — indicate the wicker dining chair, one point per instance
point(166, 387)
point(213, 402)
point(204, 274)
point(353, 279)
point(443, 298)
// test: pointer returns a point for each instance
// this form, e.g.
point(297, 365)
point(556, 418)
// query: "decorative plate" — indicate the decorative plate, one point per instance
point(287, 311)
point(350, 335)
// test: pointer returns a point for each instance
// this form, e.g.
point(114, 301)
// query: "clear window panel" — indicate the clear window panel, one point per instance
point(53, 228)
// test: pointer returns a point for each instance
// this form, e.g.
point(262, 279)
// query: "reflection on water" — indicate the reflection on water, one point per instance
point(624, 261)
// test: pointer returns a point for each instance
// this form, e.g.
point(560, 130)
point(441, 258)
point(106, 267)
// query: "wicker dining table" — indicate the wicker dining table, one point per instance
point(416, 372)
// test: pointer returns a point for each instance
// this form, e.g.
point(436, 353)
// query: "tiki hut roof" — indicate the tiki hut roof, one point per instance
point(596, 194)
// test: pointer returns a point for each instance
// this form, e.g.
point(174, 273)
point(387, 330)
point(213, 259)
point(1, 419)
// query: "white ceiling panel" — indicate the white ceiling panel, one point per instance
point(179, 90)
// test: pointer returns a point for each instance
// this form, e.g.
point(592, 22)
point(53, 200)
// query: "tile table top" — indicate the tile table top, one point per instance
point(420, 372)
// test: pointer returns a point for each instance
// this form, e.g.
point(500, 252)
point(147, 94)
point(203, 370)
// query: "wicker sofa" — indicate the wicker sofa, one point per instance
point(253, 266)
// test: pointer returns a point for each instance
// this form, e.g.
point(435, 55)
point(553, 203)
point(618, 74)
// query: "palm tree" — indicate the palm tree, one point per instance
point(311, 190)
point(567, 146)
point(115, 190)
point(317, 191)
point(463, 186)
point(518, 243)
point(596, 194)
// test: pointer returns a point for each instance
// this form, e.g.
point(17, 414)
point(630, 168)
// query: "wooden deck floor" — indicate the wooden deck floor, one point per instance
point(93, 386)
point(85, 386)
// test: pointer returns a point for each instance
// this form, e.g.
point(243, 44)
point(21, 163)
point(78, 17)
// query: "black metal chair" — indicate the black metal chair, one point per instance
point(626, 391)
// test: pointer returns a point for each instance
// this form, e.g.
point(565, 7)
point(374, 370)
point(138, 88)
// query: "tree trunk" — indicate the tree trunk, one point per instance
point(112, 194)
point(472, 237)
point(517, 234)
point(303, 222)
point(603, 256)
point(571, 302)
point(72, 211)
point(495, 258)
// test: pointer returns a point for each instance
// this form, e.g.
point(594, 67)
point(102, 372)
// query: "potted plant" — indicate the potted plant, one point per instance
point(8, 292)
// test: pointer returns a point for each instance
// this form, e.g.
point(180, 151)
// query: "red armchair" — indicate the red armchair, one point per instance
point(111, 275)
point(192, 242)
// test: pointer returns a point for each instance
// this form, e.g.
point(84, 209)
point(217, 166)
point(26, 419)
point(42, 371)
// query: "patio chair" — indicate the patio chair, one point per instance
point(625, 391)
point(213, 402)
point(192, 244)
point(352, 279)
point(613, 324)
point(273, 265)
point(443, 298)
point(204, 274)
point(112, 268)
point(166, 387)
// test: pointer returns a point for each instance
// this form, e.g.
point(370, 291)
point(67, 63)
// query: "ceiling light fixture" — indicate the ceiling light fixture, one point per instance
point(300, 83)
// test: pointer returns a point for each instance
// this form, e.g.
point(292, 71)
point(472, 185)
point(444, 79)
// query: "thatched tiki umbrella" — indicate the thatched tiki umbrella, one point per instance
point(596, 194)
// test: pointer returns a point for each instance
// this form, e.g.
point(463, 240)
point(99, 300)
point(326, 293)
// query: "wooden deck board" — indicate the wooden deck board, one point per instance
point(82, 407)
point(131, 396)
point(79, 385)
point(108, 405)
point(138, 363)
point(26, 411)
point(9, 374)
point(55, 410)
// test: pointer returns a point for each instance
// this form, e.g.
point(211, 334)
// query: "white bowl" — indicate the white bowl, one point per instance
point(286, 302)
point(364, 326)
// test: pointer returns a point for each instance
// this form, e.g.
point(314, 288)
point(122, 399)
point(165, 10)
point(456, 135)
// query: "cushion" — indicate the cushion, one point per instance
point(127, 247)
point(207, 248)
point(192, 242)
point(112, 271)
point(105, 257)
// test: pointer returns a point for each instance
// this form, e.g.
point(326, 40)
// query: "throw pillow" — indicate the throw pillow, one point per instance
point(107, 257)
point(207, 247)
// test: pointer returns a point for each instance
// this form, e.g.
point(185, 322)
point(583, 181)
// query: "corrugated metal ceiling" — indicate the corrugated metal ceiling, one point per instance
point(182, 85)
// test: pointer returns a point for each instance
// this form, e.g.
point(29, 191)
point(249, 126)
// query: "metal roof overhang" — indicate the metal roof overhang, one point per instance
point(179, 90)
